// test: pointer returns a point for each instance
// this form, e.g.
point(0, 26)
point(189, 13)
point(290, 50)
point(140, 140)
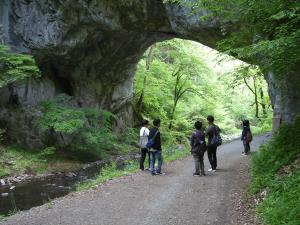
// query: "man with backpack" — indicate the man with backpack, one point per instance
point(155, 148)
point(214, 140)
point(144, 133)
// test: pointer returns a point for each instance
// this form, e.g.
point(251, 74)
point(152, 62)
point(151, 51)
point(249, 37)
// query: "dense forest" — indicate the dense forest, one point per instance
point(181, 82)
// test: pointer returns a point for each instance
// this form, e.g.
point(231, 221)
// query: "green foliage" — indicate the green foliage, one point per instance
point(16, 160)
point(212, 91)
point(265, 33)
point(47, 153)
point(89, 129)
point(14, 67)
point(107, 173)
point(282, 204)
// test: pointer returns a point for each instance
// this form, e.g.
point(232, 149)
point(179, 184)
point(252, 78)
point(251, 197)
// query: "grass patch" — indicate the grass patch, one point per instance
point(282, 203)
point(15, 160)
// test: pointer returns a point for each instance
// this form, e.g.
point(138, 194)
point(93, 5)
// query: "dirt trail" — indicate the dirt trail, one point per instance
point(176, 198)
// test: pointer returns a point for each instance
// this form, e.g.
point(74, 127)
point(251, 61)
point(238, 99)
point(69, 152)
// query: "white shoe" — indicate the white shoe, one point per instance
point(213, 170)
point(209, 170)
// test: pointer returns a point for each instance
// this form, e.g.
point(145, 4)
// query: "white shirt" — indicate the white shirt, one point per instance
point(146, 130)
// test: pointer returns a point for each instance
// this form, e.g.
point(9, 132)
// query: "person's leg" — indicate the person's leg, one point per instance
point(159, 161)
point(214, 157)
point(142, 159)
point(148, 152)
point(246, 148)
point(197, 165)
point(201, 161)
point(209, 156)
point(152, 162)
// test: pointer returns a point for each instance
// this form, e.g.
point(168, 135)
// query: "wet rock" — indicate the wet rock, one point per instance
point(12, 187)
point(2, 182)
point(70, 174)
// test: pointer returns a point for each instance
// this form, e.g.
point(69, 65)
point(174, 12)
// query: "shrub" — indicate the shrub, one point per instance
point(88, 129)
point(282, 203)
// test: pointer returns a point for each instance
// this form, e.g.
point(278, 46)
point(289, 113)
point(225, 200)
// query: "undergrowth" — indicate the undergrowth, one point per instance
point(16, 160)
point(282, 203)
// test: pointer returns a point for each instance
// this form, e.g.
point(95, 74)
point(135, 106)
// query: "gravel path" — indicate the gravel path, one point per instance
point(176, 198)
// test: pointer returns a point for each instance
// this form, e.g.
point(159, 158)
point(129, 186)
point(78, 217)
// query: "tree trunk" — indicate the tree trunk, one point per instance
point(263, 104)
point(172, 113)
point(148, 63)
point(256, 98)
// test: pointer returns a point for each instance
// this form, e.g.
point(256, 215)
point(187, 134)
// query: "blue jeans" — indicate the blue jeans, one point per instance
point(153, 156)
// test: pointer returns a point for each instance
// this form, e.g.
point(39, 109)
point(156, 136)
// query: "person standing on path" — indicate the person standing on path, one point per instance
point(246, 137)
point(144, 133)
point(155, 150)
point(211, 132)
point(198, 148)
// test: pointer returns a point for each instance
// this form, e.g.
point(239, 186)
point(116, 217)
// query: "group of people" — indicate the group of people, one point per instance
point(197, 142)
point(155, 151)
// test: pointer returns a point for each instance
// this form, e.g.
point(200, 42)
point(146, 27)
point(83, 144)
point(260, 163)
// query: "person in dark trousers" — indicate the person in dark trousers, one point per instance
point(246, 137)
point(198, 148)
point(144, 133)
point(155, 150)
point(211, 147)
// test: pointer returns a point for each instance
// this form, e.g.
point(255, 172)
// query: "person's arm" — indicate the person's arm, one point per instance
point(192, 140)
point(147, 132)
point(158, 141)
point(245, 131)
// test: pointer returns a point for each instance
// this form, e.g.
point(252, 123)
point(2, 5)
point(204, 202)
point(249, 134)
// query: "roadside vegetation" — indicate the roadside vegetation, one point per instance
point(276, 172)
point(15, 160)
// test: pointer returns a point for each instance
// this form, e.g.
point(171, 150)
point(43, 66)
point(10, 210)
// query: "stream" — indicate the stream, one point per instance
point(38, 191)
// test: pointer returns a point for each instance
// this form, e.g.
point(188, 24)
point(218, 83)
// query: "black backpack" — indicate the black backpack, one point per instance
point(216, 139)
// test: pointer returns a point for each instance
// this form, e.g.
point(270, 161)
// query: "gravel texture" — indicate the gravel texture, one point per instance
point(176, 198)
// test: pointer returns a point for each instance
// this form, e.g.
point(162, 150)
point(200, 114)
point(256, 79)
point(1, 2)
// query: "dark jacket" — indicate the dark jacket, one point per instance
point(244, 133)
point(196, 137)
point(211, 131)
point(157, 143)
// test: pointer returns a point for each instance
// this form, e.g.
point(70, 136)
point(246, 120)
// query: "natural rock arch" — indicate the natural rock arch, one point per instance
point(89, 49)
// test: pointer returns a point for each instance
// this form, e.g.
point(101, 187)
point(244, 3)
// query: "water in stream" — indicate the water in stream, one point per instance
point(35, 192)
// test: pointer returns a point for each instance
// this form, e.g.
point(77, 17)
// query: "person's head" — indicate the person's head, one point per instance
point(210, 119)
point(156, 122)
point(145, 123)
point(246, 123)
point(198, 125)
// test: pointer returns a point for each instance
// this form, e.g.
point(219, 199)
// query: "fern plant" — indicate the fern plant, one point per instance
point(14, 67)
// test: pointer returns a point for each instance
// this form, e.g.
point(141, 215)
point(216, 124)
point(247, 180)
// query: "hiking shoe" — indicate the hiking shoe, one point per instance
point(196, 174)
point(160, 173)
point(209, 170)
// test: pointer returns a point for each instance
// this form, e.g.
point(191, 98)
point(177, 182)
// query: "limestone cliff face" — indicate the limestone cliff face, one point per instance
point(88, 49)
